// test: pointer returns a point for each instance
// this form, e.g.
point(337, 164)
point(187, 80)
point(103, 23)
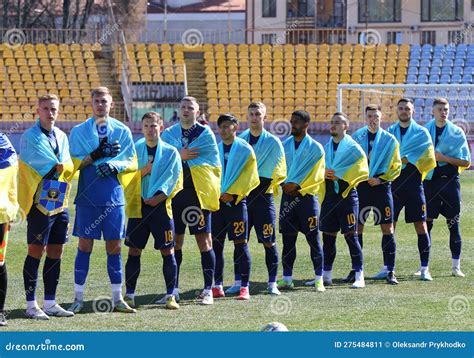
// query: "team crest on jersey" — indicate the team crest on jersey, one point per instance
point(371, 143)
point(150, 158)
point(226, 156)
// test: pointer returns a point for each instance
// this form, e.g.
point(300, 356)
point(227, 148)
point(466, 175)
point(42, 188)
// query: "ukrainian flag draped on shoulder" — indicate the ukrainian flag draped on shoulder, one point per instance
point(205, 169)
point(349, 163)
point(166, 172)
point(305, 164)
point(452, 143)
point(37, 158)
point(240, 176)
point(8, 173)
point(416, 146)
point(84, 139)
point(385, 162)
point(270, 158)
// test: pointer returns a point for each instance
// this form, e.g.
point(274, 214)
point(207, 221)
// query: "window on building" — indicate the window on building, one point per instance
point(442, 10)
point(380, 11)
point(456, 37)
point(394, 37)
point(428, 37)
point(269, 39)
point(269, 8)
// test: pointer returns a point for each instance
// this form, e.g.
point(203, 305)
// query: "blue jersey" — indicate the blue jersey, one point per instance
point(94, 190)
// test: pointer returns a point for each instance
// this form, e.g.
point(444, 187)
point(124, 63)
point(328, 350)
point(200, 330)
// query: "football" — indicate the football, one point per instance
point(274, 327)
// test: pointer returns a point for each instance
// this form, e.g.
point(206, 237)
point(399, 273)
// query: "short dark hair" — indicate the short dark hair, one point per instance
point(408, 100)
point(152, 115)
point(302, 115)
point(227, 117)
point(440, 100)
point(343, 115)
point(373, 107)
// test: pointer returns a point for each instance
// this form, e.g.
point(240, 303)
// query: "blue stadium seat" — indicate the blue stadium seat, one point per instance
point(461, 48)
point(458, 70)
point(409, 93)
point(460, 55)
point(456, 78)
point(435, 70)
point(453, 93)
point(419, 102)
point(424, 70)
point(427, 48)
point(437, 63)
point(425, 63)
point(470, 62)
point(445, 79)
point(459, 62)
point(467, 78)
point(414, 62)
point(463, 102)
point(426, 55)
point(442, 93)
point(432, 93)
point(438, 48)
point(411, 79)
point(464, 93)
point(427, 116)
point(412, 70)
point(434, 79)
point(415, 47)
point(420, 93)
point(448, 62)
point(422, 79)
point(446, 70)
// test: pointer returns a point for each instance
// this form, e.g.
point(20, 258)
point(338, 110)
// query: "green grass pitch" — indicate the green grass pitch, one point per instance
point(441, 305)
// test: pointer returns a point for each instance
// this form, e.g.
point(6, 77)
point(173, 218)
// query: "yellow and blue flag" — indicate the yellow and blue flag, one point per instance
point(349, 163)
point(8, 180)
point(305, 165)
point(384, 161)
point(416, 146)
point(84, 139)
point(37, 159)
point(270, 158)
point(166, 172)
point(240, 176)
point(452, 143)
point(205, 169)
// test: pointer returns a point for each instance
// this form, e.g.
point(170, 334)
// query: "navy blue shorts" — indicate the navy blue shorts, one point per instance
point(187, 212)
point(262, 217)
point(299, 214)
point(94, 221)
point(230, 220)
point(340, 214)
point(377, 199)
point(155, 221)
point(43, 229)
point(443, 196)
point(409, 194)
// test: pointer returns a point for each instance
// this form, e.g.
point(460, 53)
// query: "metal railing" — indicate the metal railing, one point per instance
point(15, 36)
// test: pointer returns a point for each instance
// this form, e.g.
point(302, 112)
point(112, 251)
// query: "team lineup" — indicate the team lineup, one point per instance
point(231, 186)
